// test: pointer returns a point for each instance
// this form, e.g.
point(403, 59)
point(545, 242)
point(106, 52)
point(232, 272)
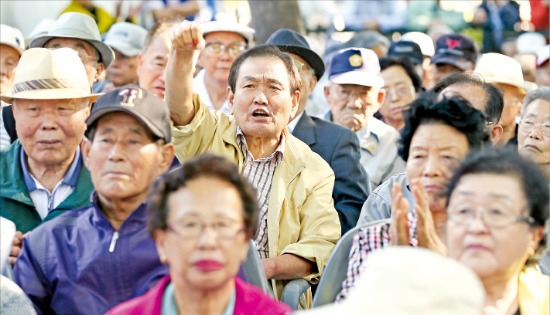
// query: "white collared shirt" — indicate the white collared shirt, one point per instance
point(199, 87)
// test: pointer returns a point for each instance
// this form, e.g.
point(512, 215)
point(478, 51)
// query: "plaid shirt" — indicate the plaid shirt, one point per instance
point(366, 241)
point(260, 174)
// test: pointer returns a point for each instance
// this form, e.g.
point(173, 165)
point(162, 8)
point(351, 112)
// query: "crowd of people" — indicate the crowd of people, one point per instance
point(140, 170)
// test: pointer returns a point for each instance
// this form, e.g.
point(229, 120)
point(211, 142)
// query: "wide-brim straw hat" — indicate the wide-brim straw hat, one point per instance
point(79, 26)
point(50, 74)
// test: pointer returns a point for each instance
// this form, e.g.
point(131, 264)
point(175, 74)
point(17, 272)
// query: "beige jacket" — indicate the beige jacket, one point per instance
point(301, 217)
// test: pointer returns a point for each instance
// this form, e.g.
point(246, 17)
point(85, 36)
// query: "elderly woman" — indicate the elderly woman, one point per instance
point(402, 84)
point(437, 136)
point(203, 240)
point(534, 128)
point(497, 209)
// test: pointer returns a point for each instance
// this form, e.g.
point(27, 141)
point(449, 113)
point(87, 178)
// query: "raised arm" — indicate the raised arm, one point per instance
point(187, 41)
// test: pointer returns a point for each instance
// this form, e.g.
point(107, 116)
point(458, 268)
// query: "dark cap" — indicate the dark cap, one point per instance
point(293, 42)
point(456, 50)
point(147, 108)
point(405, 49)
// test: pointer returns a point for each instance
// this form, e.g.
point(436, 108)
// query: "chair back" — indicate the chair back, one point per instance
point(336, 269)
point(254, 271)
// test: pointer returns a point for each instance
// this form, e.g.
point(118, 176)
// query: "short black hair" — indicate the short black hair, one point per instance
point(494, 102)
point(386, 62)
point(455, 112)
point(266, 51)
point(205, 165)
point(508, 162)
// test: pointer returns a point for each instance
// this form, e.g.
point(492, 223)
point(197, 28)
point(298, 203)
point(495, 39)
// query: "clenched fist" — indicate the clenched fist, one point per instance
point(187, 36)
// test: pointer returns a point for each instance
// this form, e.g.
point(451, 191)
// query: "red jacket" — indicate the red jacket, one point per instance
point(248, 300)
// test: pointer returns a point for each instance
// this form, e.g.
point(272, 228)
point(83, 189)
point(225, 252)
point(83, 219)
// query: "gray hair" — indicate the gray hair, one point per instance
point(540, 93)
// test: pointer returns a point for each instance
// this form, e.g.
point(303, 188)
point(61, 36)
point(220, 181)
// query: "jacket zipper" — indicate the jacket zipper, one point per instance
point(113, 242)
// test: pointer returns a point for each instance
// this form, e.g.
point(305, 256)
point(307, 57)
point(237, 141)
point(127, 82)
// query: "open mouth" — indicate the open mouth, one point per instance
point(260, 113)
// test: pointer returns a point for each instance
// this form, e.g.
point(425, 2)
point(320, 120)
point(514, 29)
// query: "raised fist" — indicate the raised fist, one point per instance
point(187, 36)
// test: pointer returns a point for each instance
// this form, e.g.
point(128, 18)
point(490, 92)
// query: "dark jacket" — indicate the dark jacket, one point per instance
point(339, 147)
point(78, 264)
point(15, 201)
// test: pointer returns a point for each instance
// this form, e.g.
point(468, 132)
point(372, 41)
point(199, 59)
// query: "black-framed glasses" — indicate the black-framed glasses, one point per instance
point(216, 49)
point(193, 228)
point(494, 218)
point(529, 126)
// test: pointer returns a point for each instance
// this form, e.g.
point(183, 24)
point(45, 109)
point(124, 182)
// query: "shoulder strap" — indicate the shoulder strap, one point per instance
point(9, 122)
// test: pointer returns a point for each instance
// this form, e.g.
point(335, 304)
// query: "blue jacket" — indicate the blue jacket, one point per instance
point(339, 147)
point(75, 264)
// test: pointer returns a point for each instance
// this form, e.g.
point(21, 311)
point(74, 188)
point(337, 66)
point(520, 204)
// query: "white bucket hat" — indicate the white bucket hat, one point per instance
point(50, 74)
point(79, 26)
point(216, 26)
point(498, 68)
point(126, 37)
point(406, 280)
point(12, 37)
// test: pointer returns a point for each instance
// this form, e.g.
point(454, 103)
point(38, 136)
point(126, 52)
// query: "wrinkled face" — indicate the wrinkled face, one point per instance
point(441, 70)
point(122, 158)
point(216, 63)
point(308, 78)
point(513, 97)
point(533, 137)
point(86, 52)
point(435, 152)
point(399, 94)
point(352, 105)
point(489, 251)
point(203, 258)
point(9, 58)
point(152, 65)
point(51, 130)
point(123, 70)
point(263, 103)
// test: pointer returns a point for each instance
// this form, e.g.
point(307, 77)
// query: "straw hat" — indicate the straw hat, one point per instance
point(79, 26)
point(50, 74)
point(498, 68)
point(405, 280)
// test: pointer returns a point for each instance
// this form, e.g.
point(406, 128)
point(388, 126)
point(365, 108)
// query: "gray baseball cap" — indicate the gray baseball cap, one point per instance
point(127, 38)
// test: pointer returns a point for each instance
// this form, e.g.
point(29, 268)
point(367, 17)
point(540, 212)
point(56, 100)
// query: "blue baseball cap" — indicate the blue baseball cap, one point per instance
point(356, 66)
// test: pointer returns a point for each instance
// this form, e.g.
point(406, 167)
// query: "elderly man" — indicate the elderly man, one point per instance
point(79, 32)
point(12, 46)
point(224, 41)
point(42, 173)
point(509, 80)
point(298, 223)
point(337, 145)
point(153, 59)
point(93, 258)
point(354, 94)
point(453, 53)
point(483, 96)
point(126, 40)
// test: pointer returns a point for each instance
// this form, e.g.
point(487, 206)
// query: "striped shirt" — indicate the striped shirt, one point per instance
point(260, 173)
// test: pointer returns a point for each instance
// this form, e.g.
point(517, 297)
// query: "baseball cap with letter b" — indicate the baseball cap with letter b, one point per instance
point(356, 66)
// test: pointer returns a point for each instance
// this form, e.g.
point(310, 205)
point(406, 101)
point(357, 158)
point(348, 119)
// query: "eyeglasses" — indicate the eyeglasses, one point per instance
point(529, 126)
point(191, 228)
point(494, 218)
point(216, 49)
point(401, 91)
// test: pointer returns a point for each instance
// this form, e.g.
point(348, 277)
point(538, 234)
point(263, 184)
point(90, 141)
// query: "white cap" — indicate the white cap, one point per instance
point(424, 41)
point(216, 26)
point(543, 54)
point(498, 68)
point(12, 37)
point(528, 43)
point(406, 280)
point(127, 38)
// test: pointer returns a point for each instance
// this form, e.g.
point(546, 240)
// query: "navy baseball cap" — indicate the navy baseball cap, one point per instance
point(405, 49)
point(147, 108)
point(456, 50)
point(356, 66)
